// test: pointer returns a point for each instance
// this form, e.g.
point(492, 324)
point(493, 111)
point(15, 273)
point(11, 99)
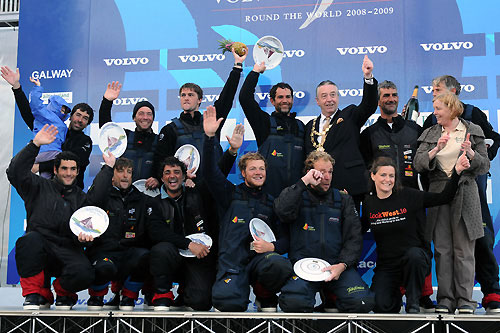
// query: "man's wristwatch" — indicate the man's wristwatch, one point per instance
point(238, 64)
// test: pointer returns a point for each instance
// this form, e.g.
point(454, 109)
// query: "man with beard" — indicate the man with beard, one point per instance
point(323, 224)
point(392, 136)
point(141, 143)
point(177, 212)
point(279, 136)
point(122, 252)
point(49, 248)
point(76, 141)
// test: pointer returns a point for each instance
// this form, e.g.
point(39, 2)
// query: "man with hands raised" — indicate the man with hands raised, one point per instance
point(279, 135)
point(336, 132)
point(49, 248)
point(323, 223)
point(141, 143)
point(239, 266)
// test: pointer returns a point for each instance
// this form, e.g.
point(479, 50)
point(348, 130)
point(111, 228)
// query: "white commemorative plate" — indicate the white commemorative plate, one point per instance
point(260, 229)
point(199, 238)
point(190, 156)
point(309, 269)
point(269, 50)
point(90, 220)
point(112, 138)
point(141, 186)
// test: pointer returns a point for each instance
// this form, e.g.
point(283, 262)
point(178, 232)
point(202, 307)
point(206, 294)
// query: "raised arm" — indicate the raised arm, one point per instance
point(19, 170)
point(99, 191)
point(112, 92)
point(220, 188)
point(369, 102)
point(257, 118)
point(224, 103)
point(229, 157)
point(21, 100)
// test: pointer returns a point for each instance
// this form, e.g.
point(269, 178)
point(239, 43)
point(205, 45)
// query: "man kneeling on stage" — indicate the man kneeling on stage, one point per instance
point(178, 212)
point(323, 224)
point(122, 252)
point(239, 265)
point(49, 248)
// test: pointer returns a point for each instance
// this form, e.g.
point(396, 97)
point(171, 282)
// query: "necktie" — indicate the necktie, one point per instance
point(325, 127)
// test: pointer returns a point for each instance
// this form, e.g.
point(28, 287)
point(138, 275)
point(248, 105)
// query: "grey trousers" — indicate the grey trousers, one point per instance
point(454, 254)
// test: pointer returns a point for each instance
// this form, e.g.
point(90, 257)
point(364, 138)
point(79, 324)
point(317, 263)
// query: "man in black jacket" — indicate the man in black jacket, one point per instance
point(76, 141)
point(391, 135)
point(486, 263)
point(122, 252)
point(188, 127)
point(49, 248)
point(178, 212)
point(141, 143)
point(337, 132)
point(323, 224)
point(279, 136)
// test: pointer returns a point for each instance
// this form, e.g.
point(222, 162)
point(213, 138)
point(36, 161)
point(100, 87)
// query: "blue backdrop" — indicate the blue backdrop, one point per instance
point(153, 47)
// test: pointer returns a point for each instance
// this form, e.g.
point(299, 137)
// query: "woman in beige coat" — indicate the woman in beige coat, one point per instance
point(454, 227)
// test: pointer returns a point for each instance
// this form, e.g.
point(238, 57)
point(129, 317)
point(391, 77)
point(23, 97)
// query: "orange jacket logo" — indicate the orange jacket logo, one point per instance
point(235, 219)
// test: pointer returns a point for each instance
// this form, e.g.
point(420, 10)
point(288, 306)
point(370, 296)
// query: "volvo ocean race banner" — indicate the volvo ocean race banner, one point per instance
point(153, 47)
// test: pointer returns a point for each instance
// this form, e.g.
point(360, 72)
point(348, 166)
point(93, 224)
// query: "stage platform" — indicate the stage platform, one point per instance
point(18, 320)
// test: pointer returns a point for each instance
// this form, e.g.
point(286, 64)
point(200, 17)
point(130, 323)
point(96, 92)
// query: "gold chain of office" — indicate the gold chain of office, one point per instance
point(319, 146)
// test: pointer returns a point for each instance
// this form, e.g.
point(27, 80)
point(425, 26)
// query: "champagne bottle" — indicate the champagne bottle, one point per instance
point(412, 106)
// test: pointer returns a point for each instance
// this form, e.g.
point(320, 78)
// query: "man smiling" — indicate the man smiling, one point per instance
point(240, 265)
point(141, 143)
point(279, 136)
point(49, 248)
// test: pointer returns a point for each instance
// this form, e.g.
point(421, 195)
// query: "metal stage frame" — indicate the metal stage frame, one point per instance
point(232, 322)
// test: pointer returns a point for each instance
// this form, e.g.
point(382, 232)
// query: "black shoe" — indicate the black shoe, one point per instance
point(330, 306)
point(163, 304)
point(95, 303)
point(44, 303)
point(443, 309)
point(465, 309)
point(64, 303)
point(179, 304)
point(493, 307)
point(148, 302)
point(267, 304)
point(412, 308)
point(32, 302)
point(426, 305)
point(127, 304)
point(113, 303)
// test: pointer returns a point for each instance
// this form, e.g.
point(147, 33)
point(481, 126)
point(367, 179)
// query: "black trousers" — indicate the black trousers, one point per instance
point(195, 276)
point(34, 253)
point(117, 265)
point(409, 272)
